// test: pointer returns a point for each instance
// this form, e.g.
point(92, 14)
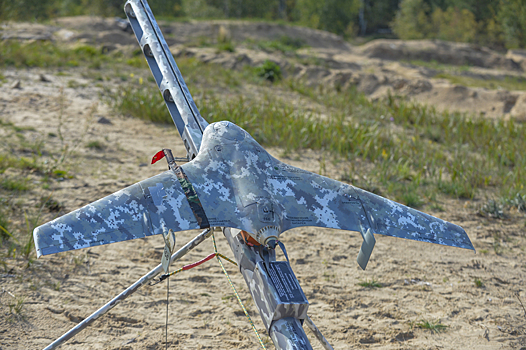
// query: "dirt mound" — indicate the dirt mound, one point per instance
point(87, 23)
point(26, 31)
point(458, 54)
point(374, 69)
point(190, 31)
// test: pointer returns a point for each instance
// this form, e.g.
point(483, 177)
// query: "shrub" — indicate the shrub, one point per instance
point(269, 70)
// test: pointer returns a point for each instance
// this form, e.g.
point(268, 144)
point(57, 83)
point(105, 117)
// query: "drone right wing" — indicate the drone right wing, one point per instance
point(315, 200)
point(146, 208)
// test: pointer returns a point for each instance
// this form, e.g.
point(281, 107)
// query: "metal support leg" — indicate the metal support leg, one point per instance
point(129, 291)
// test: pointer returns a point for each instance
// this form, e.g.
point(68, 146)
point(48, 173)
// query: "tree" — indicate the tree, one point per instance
point(454, 24)
point(412, 20)
point(512, 17)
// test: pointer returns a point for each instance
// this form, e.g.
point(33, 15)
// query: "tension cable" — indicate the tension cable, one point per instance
point(190, 266)
point(218, 255)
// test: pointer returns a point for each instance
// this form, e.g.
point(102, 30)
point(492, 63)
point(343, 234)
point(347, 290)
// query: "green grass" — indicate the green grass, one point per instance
point(227, 46)
point(478, 283)
point(415, 151)
point(508, 83)
point(492, 209)
point(17, 305)
point(14, 184)
point(433, 64)
point(284, 44)
point(433, 326)
point(269, 70)
point(46, 54)
point(370, 284)
point(96, 145)
point(518, 201)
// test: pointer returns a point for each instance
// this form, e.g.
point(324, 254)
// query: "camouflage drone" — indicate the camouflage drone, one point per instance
point(231, 182)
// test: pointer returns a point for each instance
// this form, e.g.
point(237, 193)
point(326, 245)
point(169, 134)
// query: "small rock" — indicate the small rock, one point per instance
point(403, 336)
point(368, 340)
point(55, 311)
point(103, 120)
point(17, 85)
point(126, 342)
point(44, 79)
point(73, 318)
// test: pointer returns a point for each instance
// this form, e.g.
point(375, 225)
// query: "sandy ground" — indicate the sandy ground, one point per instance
point(420, 282)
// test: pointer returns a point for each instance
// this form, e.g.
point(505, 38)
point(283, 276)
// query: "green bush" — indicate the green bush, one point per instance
point(512, 16)
point(412, 20)
point(454, 24)
point(269, 70)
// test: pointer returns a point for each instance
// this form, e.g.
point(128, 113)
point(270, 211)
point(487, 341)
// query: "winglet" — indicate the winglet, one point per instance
point(366, 249)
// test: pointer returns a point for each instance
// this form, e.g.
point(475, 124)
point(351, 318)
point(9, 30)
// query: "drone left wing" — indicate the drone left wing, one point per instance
point(146, 208)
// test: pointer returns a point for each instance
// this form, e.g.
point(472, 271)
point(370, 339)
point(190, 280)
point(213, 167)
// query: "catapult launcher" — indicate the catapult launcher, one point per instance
point(231, 182)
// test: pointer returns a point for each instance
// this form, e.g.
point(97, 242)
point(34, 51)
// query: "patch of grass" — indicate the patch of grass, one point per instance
point(46, 54)
point(414, 151)
point(137, 62)
point(15, 184)
point(269, 70)
point(433, 326)
point(97, 145)
point(17, 305)
point(142, 103)
point(51, 204)
point(492, 209)
point(519, 202)
point(507, 83)
point(433, 64)
point(227, 46)
point(370, 284)
point(74, 84)
point(32, 221)
point(5, 234)
point(284, 44)
point(478, 283)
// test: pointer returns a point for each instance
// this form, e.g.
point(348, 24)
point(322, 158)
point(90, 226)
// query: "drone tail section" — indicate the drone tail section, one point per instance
point(176, 95)
point(152, 206)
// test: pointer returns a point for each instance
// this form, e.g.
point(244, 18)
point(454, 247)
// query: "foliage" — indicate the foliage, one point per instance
point(512, 16)
point(24, 10)
point(284, 44)
point(45, 54)
point(415, 151)
point(412, 21)
point(507, 83)
point(433, 326)
point(483, 22)
point(454, 24)
point(370, 284)
point(492, 209)
point(487, 22)
point(269, 70)
point(519, 202)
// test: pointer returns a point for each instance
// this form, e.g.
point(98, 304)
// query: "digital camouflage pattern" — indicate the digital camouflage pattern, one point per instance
point(239, 185)
point(287, 334)
point(178, 99)
point(232, 182)
point(279, 297)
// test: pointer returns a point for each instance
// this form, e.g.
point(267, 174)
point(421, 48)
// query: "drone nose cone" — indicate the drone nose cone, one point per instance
point(229, 131)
